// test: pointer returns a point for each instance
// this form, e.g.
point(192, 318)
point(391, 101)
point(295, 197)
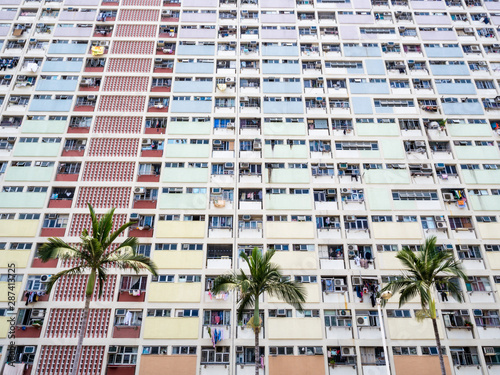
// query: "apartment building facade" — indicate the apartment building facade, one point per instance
point(333, 131)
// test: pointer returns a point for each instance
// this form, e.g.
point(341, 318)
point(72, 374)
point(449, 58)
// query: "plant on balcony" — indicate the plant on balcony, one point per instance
point(93, 254)
point(423, 271)
point(264, 277)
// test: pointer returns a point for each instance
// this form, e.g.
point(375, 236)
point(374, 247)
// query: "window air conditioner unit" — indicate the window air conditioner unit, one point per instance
point(352, 247)
point(45, 278)
point(357, 280)
point(441, 225)
point(246, 217)
point(228, 165)
point(363, 321)
point(318, 350)
point(448, 197)
point(139, 190)
point(113, 349)
point(347, 351)
point(489, 350)
point(37, 313)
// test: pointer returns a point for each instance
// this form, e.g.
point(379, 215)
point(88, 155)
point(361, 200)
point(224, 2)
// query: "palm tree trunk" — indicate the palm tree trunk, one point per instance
point(438, 342)
point(256, 322)
point(256, 354)
point(81, 334)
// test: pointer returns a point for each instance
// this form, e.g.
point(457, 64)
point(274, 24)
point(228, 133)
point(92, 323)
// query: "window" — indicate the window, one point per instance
point(404, 350)
point(159, 312)
point(218, 355)
point(165, 246)
point(281, 350)
point(163, 279)
point(338, 318)
point(432, 350)
point(154, 350)
point(398, 314)
point(184, 350)
point(122, 355)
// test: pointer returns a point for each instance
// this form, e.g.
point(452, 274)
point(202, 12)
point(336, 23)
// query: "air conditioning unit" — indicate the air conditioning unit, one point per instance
point(350, 218)
point(45, 278)
point(345, 191)
point(139, 190)
point(347, 351)
point(363, 321)
point(489, 350)
point(246, 217)
point(228, 165)
point(448, 197)
point(113, 349)
point(37, 313)
point(29, 349)
point(441, 225)
point(134, 217)
point(357, 280)
point(281, 312)
point(318, 350)
point(338, 282)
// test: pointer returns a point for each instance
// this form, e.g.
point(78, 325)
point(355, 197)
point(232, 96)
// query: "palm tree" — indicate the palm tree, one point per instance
point(423, 271)
point(92, 254)
point(264, 277)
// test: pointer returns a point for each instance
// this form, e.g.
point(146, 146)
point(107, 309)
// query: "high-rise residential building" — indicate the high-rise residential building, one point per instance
point(333, 131)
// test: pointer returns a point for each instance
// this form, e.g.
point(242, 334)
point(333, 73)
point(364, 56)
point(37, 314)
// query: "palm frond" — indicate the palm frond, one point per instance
point(56, 248)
